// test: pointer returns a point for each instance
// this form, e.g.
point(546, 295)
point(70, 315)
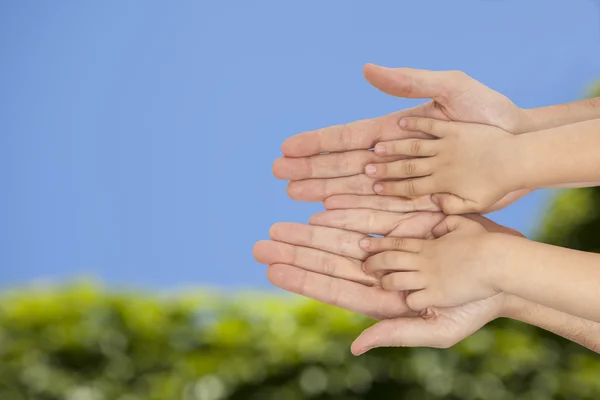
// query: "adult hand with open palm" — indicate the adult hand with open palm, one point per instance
point(454, 96)
point(323, 261)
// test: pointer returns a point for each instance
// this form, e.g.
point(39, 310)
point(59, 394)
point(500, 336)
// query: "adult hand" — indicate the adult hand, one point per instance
point(455, 96)
point(330, 272)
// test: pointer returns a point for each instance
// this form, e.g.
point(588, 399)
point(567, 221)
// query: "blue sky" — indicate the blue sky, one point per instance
point(136, 138)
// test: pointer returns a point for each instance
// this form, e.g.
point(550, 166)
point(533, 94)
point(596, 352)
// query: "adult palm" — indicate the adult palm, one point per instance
point(322, 261)
point(454, 96)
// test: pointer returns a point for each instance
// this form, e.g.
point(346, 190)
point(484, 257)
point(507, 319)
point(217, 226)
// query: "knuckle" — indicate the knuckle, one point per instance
point(346, 135)
point(398, 243)
point(343, 219)
point(344, 243)
point(329, 266)
point(410, 86)
point(334, 291)
point(409, 168)
point(371, 220)
point(430, 125)
point(415, 147)
point(411, 188)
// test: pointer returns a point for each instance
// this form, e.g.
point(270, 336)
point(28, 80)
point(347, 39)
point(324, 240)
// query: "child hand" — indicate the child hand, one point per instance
point(455, 269)
point(469, 167)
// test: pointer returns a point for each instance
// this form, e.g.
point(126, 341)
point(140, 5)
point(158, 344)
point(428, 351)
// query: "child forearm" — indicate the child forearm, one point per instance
point(563, 279)
point(563, 156)
point(578, 330)
point(561, 114)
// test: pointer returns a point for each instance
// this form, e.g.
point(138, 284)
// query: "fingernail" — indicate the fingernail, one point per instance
point(365, 243)
point(403, 122)
point(380, 149)
point(378, 188)
point(370, 169)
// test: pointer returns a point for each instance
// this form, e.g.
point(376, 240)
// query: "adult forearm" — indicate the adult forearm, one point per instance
point(556, 157)
point(562, 114)
point(578, 330)
point(563, 279)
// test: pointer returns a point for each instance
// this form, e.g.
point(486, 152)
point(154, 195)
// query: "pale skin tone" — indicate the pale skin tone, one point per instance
point(470, 167)
point(332, 275)
point(318, 177)
point(468, 263)
point(455, 97)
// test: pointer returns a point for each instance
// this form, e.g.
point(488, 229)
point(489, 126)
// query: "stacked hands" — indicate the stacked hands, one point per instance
point(421, 178)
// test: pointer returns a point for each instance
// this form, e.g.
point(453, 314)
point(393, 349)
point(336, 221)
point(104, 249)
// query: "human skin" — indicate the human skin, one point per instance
point(336, 252)
point(467, 263)
point(455, 96)
point(473, 166)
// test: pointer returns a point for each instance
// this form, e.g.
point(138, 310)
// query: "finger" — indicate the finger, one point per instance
point(332, 240)
point(412, 225)
point(414, 168)
point(401, 332)
point(418, 301)
point(415, 83)
point(370, 301)
point(389, 261)
point(382, 203)
point(358, 135)
point(330, 165)
point(270, 252)
point(452, 204)
point(320, 189)
point(407, 188)
point(435, 127)
point(364, 221)
point(453, 223)
point(397, 281)
point(440, 328)
point(408, 147)
point(377, 245)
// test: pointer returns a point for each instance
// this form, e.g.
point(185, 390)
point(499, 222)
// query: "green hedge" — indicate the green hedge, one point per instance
point(81, 342)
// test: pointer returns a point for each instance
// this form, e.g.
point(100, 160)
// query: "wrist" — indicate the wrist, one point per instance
point(492, 249)
point(513, 307)
point(526, 121)
point(504, 250)
point(512, 162)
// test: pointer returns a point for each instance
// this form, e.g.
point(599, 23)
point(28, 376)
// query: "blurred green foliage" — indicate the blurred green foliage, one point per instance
point(81, 342)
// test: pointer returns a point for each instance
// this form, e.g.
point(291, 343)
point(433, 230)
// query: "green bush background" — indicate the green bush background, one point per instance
point(84, 342)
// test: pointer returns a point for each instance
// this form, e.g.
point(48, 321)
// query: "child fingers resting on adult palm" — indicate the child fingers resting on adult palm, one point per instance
point(466, 263)
point(468, 167)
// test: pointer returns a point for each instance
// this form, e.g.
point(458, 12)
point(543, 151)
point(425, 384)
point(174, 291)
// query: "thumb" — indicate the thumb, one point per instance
point(412, 83)
point(399, 332)
point(453, 223)
point(452, 204)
